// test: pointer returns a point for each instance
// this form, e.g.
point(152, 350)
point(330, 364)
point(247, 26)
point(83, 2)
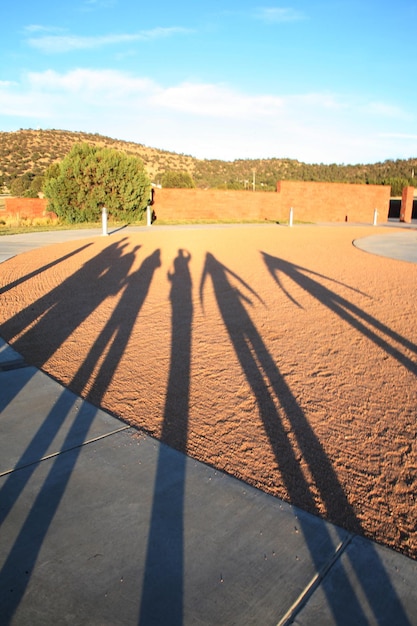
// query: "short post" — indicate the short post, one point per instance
point(375, 222)
point(149, 215)
point(290, 222)
point(104, 221)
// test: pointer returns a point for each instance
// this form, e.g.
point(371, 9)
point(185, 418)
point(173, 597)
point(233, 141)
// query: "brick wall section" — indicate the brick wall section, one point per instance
point(407, 199)
point(26, 208)
point(312, 202)
point(212, 204)
point(333, 202)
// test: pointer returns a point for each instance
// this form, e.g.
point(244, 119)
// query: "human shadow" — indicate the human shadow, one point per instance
point(107, 350)
point(363, 322)
point(38, 271)
point(162, 590)
point(275, 401)
point(45, 324)
point(260, 369)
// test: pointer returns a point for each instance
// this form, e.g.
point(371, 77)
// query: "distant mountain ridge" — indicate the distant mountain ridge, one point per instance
point(31, 152)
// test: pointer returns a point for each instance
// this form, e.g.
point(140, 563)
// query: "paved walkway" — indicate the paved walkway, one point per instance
point(401, 246)
point(101, 525)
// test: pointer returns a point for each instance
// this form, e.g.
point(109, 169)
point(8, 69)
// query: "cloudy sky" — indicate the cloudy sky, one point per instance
point(323, 82)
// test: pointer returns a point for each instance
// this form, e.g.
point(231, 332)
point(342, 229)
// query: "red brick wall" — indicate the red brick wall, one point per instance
point(333, 202)
point(311, 202)
point(26, 207)
point(212, 204)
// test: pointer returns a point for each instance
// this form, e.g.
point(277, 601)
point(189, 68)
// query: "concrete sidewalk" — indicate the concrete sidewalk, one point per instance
point(103, 525)
point(401, 246)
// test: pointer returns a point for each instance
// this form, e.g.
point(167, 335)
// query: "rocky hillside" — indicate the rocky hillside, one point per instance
point(30, 152)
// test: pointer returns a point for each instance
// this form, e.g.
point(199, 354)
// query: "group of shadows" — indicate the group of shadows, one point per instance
point(110, 273)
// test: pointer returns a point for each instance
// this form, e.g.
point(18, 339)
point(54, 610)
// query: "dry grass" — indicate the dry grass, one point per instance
point(16, 224)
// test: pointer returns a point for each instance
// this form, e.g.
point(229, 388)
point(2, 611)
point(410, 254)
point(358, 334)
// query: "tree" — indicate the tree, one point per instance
point(397, 185)
point(177, 179)
point(36, 186)
point(19, 186)
point(26, 186)
point(91, 177)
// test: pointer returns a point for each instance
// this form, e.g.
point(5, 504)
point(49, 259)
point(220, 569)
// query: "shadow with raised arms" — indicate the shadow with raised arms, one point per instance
point(319, 464)
point(349, 312)
point(275, 400)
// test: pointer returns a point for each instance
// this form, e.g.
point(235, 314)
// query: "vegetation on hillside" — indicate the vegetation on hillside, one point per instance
point(27, 154)
point(173, 179)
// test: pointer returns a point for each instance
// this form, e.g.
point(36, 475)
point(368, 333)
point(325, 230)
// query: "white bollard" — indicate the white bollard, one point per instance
point(290, 222)
point(375, 222)
point(104, 221)
point(149, 215)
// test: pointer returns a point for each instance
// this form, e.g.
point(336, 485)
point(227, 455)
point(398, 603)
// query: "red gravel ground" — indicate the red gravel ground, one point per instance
point(283, 356)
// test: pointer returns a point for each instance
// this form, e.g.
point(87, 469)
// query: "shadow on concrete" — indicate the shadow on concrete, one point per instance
point(352, 314)
point(110, 269)
point(162, 591)
point(271, 390)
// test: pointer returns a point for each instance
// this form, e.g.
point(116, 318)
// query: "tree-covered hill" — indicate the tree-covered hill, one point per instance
point(33, 151)
point(28, 153)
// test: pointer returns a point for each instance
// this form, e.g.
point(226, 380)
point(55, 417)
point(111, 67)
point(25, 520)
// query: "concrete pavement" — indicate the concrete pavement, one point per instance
point(103, 525)
point(401, 246)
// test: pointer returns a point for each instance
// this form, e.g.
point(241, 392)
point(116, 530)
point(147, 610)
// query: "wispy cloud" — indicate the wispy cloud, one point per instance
point(6, 84)
point(53, 44)
point(215, 101)
point(42, 28)
point(279, 15)
point(387, 110)
point(105, 85)
point(208, 120)
point(91, 5)
point(406, 136)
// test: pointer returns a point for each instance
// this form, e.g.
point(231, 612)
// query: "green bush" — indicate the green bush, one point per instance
point(177, 180)
point(90, 177)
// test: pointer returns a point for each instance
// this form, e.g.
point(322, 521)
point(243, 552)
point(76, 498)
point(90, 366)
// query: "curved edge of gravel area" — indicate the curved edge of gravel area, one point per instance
point(399, 246)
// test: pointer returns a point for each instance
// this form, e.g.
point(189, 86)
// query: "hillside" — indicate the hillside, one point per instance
point(30, 152)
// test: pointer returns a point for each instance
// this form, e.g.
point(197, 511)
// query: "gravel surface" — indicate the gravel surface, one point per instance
point(284, 356)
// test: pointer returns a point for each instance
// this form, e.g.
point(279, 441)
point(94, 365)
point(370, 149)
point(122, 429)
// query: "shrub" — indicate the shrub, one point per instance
point(174, 180)
point(91, 177)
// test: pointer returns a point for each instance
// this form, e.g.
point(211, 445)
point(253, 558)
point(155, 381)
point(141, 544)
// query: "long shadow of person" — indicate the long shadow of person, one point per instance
point(271, 390)
point(111, 343)
point(28, 316)
point(57, 314)
point(44, 268)
point(330, 490)
point(349, 312)
point(162, 590)
point(44, 325)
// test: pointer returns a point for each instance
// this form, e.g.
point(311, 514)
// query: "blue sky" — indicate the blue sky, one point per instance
point(322, 82)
